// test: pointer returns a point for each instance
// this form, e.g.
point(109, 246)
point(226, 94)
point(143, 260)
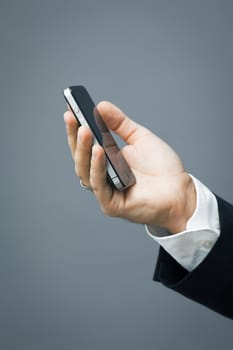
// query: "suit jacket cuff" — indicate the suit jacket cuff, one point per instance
point(211, 282)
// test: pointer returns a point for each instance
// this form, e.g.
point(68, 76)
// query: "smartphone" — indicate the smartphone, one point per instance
point(119, 173)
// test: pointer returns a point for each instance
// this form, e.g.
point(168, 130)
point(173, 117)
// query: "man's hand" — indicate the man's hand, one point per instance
point(164, 194)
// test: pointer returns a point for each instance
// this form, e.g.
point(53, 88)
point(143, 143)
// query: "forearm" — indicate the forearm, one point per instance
point(211, 282)
point(198, 264)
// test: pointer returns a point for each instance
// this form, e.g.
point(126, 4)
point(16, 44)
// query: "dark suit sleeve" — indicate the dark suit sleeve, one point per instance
point(211, 283)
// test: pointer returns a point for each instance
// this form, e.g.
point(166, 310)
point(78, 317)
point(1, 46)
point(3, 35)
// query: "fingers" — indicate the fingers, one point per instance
point(117, 121)
point(90, 163)
point(71, 130)
point(82, 156)
point(98, 180)
point(80, 142)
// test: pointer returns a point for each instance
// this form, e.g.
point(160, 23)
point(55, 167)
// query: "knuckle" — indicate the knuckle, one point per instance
point(108, 210)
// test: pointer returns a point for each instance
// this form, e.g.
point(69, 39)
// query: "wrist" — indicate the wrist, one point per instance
point(184, 205)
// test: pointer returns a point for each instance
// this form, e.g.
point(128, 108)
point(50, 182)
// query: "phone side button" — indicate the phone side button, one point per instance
point(110, 170)
point(81, 119)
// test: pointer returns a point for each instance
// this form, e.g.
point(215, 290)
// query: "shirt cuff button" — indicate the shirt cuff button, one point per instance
point(207, 244)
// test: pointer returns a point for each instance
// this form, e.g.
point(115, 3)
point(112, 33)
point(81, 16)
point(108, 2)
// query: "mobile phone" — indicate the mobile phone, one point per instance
point(119, 173)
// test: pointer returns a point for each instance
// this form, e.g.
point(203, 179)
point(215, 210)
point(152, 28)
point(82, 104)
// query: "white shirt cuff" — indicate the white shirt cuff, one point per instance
point(190, 247)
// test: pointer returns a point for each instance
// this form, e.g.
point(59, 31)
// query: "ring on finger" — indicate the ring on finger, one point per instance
point(86, 187)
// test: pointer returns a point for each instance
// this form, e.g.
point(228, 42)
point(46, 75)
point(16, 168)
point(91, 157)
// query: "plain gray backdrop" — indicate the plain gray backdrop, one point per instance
point(71, 278)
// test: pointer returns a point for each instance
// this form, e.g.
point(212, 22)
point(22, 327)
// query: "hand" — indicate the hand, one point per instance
point(164, 193)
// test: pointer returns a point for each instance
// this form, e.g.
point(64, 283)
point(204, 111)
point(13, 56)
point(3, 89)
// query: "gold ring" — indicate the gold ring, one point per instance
point(89, 188)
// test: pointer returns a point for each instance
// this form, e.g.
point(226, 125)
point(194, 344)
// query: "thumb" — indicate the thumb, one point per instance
point(118, 122)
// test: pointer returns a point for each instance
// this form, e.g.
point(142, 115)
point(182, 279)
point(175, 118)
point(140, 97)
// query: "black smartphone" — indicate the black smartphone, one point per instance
point(119, 173)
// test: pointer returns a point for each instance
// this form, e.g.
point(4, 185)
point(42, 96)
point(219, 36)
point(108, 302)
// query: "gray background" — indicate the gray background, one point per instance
point(71, 278)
